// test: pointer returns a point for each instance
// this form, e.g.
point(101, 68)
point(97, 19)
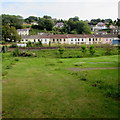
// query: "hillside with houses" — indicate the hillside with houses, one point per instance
point(72, 31)
point(55, 68)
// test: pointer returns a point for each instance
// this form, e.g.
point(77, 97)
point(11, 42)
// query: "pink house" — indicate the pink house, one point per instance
point(107, 40)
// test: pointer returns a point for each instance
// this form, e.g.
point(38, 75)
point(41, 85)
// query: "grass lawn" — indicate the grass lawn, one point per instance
point(42, 87)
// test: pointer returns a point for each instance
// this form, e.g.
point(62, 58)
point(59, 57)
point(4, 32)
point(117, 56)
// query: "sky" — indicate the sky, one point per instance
point(62, 9)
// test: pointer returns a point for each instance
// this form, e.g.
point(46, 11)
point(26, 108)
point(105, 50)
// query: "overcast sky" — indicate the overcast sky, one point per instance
point(62, 9)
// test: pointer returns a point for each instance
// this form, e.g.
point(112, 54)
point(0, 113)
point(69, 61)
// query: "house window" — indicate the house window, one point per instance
point(53, 40)
point(106, 39)
point(38, 39)
point(75, 39)
point(96, 39)
point(45, 40)
point(71, 39)
point(57, 39)
point(60, 40)
point(34, 40)
point(78, 39)
point(64, 39)
point(93, 39)
point(82, 39)
point(89, 39)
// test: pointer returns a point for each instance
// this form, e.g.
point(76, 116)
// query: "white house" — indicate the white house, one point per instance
point(99, 26)
point(59, 24)
point(34, 23)
point(23, 31)
point(69, 39)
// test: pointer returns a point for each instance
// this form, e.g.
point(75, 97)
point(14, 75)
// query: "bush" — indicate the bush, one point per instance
point(16, 59)
point(16, 52)
point(108, 49)
point(92, 50)
point(83, 49)
point(29, 44)
point(61, 51)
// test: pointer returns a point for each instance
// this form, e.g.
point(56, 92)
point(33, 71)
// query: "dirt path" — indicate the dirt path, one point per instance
point(83, 69)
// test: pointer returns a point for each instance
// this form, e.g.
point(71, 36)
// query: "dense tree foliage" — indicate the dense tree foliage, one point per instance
point(31, 19)
point(12, 20)
point(9, 34)
point(44, 24)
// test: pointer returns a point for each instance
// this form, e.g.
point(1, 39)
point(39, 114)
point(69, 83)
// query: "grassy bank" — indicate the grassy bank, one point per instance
point(45, 87)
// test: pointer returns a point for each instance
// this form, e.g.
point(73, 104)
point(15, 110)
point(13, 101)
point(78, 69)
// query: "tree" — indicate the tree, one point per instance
point(48, 24)
point(92, 50)
point(76, 18)
point(83, 49)
point(47, 17)
point(10, 34)
point(83, 27)
point(12, 20)
point(31, 19)
point(61, 51)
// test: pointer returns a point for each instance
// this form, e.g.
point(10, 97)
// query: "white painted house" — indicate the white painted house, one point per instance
point(99, 26)
point(69, 39)
point(23, 31)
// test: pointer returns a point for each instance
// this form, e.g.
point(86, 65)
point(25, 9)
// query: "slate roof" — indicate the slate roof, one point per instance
point(62, 36)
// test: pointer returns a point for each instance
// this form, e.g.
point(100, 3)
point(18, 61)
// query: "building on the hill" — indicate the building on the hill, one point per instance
point(59, 24)
point(70, 39)
point(99, 26)
point(101, 33)
point(34, 23)
point(23, 31)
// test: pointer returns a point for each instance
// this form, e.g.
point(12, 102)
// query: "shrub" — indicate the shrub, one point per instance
point(83, 49)
point(108, 49)
point(29, 44)
point(92, 50)
point(61, 51)
point(25, 54)
point(16, 59)
point(16, 52)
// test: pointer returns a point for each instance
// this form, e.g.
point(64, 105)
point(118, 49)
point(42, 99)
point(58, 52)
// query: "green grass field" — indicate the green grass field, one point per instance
point(45, 87)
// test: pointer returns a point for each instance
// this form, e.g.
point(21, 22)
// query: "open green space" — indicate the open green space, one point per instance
point(45, 87)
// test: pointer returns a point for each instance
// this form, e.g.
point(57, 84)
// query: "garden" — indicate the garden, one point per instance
point(61, 83)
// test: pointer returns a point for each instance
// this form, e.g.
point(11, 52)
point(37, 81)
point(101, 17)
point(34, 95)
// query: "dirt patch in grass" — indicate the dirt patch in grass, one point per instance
point(84, 69)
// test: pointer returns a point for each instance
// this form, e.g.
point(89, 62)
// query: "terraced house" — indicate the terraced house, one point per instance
point(71, 39)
